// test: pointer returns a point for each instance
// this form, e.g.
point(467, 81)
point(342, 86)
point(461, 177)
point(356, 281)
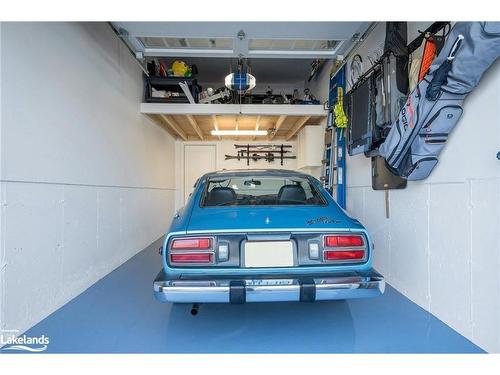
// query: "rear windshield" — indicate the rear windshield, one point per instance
point(261, 191)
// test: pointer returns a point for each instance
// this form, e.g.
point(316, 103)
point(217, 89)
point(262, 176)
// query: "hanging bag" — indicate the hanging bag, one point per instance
point(432, 110)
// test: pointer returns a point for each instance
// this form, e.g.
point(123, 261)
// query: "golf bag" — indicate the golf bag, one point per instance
point(390, 80)
point(392, 84)
point(432, 110)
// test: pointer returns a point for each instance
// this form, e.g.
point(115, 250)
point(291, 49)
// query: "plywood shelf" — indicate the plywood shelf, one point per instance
point(195, 121)
point(234, 109)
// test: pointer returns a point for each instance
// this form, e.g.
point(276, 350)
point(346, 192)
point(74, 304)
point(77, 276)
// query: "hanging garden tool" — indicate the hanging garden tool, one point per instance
point(340, 120)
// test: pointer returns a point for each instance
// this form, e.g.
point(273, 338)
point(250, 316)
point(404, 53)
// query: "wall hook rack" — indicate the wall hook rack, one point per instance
point(269, 152)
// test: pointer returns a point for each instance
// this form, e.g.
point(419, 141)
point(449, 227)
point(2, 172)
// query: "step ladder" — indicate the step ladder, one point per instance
point(328, 162)
point(333, 174)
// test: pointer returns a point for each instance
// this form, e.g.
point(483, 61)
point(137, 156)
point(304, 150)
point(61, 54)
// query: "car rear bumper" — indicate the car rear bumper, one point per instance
point(270, 289)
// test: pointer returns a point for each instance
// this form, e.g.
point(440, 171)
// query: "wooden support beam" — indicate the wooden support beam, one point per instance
point(162, 125)
point(175, 127)
point(195, 126)
point(237, 127)
point(278, 124)
point(257, 123)
point(257, 126)
point(298, 125)
point(216, 124)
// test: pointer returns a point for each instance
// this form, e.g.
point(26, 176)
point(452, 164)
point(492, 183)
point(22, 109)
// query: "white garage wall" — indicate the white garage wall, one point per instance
point(226, 147)
point(441, 245)
point(2, 255)
point(86, 180)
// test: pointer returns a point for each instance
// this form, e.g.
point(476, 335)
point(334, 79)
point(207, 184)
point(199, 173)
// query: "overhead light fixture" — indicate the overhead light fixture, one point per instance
point(239, 132)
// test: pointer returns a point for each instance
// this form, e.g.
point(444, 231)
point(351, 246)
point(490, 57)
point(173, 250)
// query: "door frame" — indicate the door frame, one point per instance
point(183, 167)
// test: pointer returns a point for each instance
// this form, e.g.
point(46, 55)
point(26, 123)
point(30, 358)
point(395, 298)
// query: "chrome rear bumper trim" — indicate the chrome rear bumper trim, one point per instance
point(269, 290)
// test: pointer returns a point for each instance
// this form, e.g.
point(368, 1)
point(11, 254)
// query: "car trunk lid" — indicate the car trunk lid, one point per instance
point(268, 218)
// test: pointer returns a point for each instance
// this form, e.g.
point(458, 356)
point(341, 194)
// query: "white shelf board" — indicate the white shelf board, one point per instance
point(234, 109)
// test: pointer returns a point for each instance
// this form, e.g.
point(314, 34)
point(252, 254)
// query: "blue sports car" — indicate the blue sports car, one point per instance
point(264, 235)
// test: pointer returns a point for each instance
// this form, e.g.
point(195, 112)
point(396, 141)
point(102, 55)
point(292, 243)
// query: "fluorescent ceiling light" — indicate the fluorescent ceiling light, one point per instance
point(239, 132)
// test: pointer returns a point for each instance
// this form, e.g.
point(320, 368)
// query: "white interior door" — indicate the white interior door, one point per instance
point(198, 160)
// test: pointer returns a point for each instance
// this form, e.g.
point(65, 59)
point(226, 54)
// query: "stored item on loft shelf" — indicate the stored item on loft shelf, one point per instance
point(308, 98)
point(263, 99)
point(186, 90)
point(219, 96)
point(433, 109)
point(157, 68)
point(269, 99)
point(275, 99)
point(168, 90)
point(257, 152)
point(264, 236)
point(178, 69)
point(283, 99)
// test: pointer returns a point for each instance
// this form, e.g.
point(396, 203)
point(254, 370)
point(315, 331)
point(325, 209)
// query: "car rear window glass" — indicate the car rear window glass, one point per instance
point(261, 191)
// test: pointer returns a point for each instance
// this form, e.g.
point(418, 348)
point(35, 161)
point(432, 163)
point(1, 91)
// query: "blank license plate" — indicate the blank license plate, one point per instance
point(268, 254)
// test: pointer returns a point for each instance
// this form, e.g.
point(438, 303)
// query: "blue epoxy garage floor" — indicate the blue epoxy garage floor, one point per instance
point(119, 314)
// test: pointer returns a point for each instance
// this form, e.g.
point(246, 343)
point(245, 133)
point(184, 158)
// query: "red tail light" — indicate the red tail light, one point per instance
point(191, 244)
point(191, 258)
point(344, 247)
point(191, 250)
point(344, 241)
point(345, 255)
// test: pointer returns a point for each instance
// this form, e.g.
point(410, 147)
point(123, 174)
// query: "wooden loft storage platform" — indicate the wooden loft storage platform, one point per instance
point(194, 122)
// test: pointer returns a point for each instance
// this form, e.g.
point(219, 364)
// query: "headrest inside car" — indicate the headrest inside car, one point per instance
point(292, 193)
point(220, 195)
